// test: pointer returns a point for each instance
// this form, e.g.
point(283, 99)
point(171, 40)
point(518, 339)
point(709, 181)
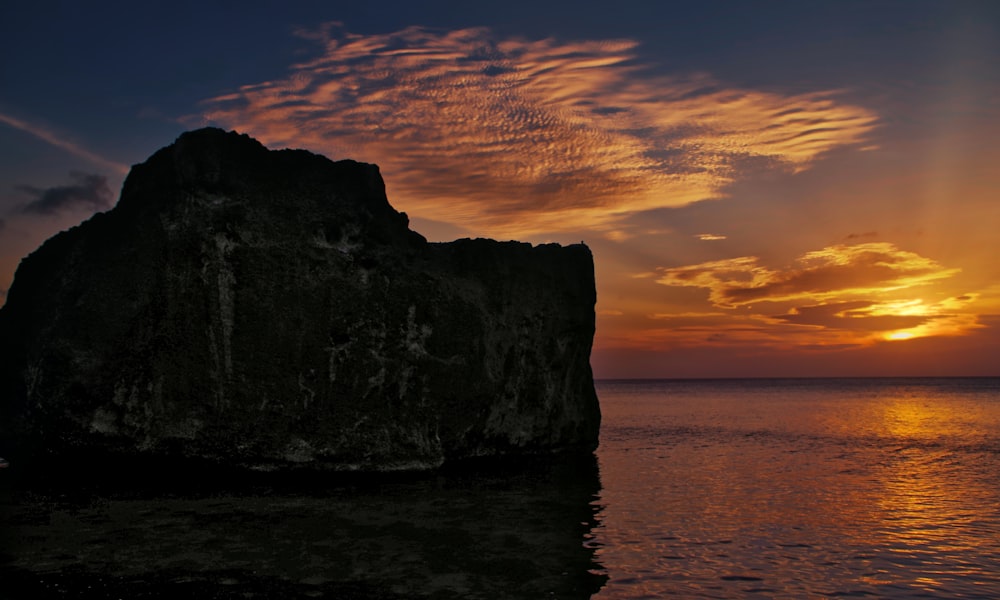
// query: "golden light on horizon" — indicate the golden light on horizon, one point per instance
point(832, 299)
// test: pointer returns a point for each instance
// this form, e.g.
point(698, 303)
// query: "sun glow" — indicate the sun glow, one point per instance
point(899, 335)
point(902, 308)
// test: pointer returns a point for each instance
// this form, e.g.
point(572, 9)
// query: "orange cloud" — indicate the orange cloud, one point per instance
point(514, 136)
point(835, 298)
point(853, 315)
point(820, 275)
point(730, 332)
point(812, 328)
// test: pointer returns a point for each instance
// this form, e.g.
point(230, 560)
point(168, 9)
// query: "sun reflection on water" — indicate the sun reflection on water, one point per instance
point(930, 503)
point(787, 492)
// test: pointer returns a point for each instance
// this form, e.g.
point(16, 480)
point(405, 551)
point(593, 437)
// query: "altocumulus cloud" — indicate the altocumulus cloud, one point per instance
point(87, 192)
point(509, 136)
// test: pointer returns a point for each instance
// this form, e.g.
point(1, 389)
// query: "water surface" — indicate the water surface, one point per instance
point(880, 488)
point(800, 488)
point(496, 531)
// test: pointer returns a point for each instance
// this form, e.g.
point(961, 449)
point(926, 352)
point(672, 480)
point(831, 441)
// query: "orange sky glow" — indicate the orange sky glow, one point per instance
point(737, 230)
point(540, 140)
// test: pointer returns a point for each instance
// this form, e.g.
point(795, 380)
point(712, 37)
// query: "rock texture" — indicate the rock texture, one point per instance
point(270, 309)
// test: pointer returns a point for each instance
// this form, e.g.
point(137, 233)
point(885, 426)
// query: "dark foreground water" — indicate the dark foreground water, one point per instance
point(701, 489)
point(513, 531)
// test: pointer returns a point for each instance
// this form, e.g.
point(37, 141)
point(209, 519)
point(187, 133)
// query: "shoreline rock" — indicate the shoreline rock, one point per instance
point(270, 309)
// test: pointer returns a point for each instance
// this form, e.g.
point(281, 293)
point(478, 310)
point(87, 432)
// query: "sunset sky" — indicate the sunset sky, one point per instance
point(769, 188)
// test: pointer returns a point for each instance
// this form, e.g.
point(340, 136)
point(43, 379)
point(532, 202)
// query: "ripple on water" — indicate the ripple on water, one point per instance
point(850, 490)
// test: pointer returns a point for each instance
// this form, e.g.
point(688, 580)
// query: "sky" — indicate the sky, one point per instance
point(769, 188)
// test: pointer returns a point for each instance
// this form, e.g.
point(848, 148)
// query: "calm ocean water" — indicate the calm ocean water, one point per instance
point(883, 488)
point(879, 488)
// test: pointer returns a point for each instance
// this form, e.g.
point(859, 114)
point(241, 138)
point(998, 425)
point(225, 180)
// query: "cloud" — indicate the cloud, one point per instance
point(88, 192)
point(710, 237)
point(712, 316)
point(834, 298)
point(820, 275)
point(514, 136)
point(821, 327)
point(51, 138)
point(858, 315)
point(915, 318)
point(731, 333)
point(616, 235)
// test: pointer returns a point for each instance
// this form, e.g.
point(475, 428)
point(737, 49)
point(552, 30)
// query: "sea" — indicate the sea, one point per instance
point(800, 488)
point(757, 488)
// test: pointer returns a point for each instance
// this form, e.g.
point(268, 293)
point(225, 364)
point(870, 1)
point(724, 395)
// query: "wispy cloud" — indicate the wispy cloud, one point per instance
point(821, 327)
point(514, 136)
point(838, 297)
point(88, 191)
point(820, 275)
point(854, 315)
point(730, 333)
point(888, 320)
point(75, 149)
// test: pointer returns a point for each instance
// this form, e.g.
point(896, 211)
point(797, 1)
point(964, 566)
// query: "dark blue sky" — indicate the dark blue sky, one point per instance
point(116, 73)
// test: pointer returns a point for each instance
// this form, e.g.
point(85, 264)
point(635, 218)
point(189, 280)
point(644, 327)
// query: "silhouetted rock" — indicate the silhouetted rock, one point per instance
point(271, 309)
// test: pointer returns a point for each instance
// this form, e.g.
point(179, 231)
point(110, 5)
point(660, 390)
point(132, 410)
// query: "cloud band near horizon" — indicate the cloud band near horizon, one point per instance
point(837, 297)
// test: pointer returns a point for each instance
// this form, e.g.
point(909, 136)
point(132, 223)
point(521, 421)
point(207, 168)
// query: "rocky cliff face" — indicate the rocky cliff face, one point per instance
point(270, 308)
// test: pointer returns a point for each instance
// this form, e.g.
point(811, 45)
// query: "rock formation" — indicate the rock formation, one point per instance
point(270, 309)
